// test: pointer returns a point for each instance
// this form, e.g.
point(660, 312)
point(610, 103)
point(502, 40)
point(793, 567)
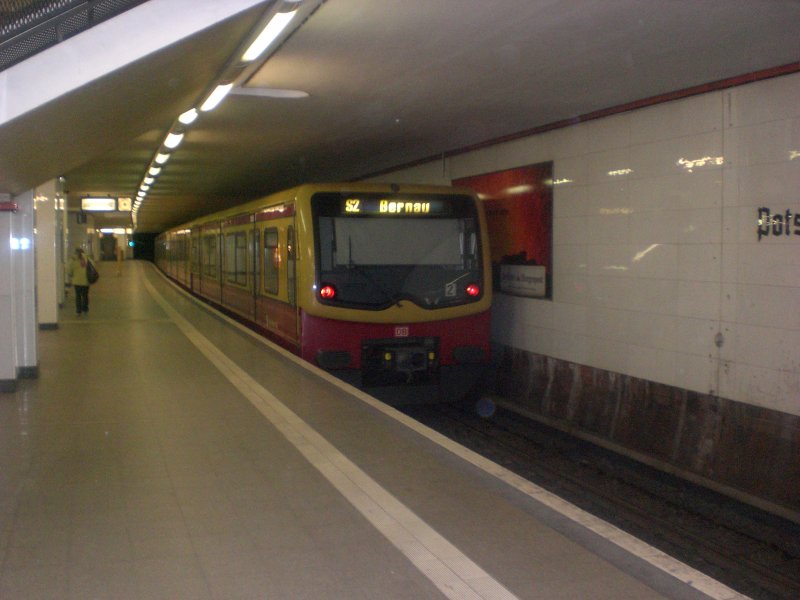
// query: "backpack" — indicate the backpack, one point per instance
point(91, 273)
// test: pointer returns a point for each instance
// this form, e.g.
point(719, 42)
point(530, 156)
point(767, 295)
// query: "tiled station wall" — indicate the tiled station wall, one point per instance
point(674, 328)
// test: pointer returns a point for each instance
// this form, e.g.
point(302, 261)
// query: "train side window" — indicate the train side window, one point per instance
point(291, 256)
point(210, 256)
point(254, 245)
point(272, 260)
point(195, 250)
point(236, 258)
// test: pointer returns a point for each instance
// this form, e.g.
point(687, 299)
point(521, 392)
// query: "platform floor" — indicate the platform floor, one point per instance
point(165, 453)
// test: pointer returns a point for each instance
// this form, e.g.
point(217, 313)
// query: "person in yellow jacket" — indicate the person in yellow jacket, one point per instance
point(80, 281)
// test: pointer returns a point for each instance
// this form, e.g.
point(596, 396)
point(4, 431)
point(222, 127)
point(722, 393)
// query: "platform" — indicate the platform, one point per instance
point(165, 452)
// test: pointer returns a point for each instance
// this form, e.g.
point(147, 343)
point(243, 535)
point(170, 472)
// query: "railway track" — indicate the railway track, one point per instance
point(753, 552)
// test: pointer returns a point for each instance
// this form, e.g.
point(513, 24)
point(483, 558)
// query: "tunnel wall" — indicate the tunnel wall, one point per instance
point(674, 325)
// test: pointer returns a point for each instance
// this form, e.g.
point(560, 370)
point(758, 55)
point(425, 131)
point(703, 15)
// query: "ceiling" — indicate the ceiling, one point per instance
point(389, 82)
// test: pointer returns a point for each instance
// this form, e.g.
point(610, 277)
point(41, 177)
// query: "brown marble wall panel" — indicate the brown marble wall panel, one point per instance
point(648, 417)
point(748, 448)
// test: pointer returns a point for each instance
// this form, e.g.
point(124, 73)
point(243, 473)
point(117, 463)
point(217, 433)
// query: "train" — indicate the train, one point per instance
point(379, 284)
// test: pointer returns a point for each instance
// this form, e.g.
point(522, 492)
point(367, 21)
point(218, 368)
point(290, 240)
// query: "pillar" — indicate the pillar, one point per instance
point(48, 261)
point(8, 336)
point(24, 264)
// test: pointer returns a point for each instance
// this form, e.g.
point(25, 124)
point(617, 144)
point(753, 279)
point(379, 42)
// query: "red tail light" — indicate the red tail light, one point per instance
point(473, 290)
point(327, 292)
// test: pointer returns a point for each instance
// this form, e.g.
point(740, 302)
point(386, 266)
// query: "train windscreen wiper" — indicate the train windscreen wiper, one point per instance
point(351, 264)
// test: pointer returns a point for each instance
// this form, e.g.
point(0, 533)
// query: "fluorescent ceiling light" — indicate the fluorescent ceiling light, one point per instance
point(188, 117)
point(216, 97)
point(148, 180)
point(144, 187)
point(161, 158)
point(269, 92)
point(173, 139)
point(100, 204)
point(154, 171)
point(273, 29)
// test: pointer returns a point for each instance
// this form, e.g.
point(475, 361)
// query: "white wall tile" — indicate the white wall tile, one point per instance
point(654, 364)
point(608, 166)
point(570, 230)
point(699, 374)
point(569, 171)
point(768, 347)
point(699, 262)
point(570, 142)
point(608, 260)
point(767, 306)
point(779, 390)
point(608, 323)
point(611, 133)
point(770, 262)
point(766, 184)
point(699, 299)
point(607, 229)
point(525, 151)
point(607, 354)
point(771, 100)
point(571, 346)
point(676, 119)
point(653, 330)
point(570, 258)
point(572, 288)
point(689, 154)
point(570, 318)
point(474, 163)
point(764, 143)
point(700, 226)
point(655, 227)
point(695, 337)
point(678, 190)
point(570, 201)
point(657, 261)
point(658, 296)
point(650, 266)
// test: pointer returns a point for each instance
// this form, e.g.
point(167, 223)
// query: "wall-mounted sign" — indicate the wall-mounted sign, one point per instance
point(778, 223)
point(524, 280)
point(405, 208)
point(99, 204)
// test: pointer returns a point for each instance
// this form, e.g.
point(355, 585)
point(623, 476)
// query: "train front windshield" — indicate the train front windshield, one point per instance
point(374, 251)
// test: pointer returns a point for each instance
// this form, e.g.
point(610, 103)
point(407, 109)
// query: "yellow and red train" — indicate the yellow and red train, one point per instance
point(380, 284)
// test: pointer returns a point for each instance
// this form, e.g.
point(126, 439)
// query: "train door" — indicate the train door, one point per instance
point(253, 262)
point(220, 263)
point(291, 275)
point(194, 260)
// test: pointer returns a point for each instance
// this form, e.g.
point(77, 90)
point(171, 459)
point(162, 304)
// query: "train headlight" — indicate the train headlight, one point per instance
point(327, 292)
point(473, 290)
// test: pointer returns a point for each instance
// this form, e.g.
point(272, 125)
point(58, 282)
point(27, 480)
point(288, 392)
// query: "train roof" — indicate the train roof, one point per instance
point(308, 189)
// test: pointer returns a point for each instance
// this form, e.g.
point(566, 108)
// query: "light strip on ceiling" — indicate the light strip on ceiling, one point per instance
point(216, 97)
point(239, 68)
point(273, 29)
point(172, 140)
point(189, 116)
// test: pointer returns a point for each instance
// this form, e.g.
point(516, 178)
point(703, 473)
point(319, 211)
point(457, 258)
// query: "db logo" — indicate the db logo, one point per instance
point(401, 331)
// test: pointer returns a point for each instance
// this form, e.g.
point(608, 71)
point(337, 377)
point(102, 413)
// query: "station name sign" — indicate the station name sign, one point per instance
point(92, 204)
point(389, 208)
point(777, 224)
